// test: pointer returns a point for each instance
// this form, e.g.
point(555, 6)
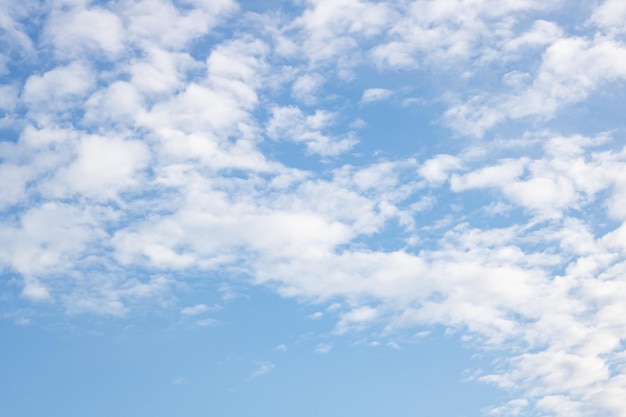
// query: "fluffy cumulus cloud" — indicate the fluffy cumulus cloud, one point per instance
point(167, 138)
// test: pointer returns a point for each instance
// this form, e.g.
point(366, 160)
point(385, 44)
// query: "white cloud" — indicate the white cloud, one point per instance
point(512, 408)
point(161, 72)
point(99, 304)
point(103, 167)
point(322, 348)
point(207, 322)
point(571, 69)
point(46, 238)
point(262, 369)
point(94, 293)
point(13, 180)
point(291, 124)
point(120, 102)
point(15, 39)
point(436, 170)
point(74, 29)
point(8, 97)
point(450, 31)
point(393, 345)
point(194, 310)
point(375, 94)
point(162, 23)
point(34, 290)
point(610, 16)
point(306, 87)
point(357, 318)
point(159, 164)
point(540, 34)
point(379, 176)
point(331, 29)
point(501, 175)
point(58, 88)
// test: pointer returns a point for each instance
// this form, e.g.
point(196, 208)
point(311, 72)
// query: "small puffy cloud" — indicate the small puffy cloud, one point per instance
point(322, 348)
point(59, 87)
point(47, 239)
point(375, 94)
point(162, 23)
point(160, 71)
point(379, 176)
point(228, 293)
point(306, 86)
point(120, 102)
point(446, 33)
point(357, 318)
point(82, 30)
point(437, 169)
point(333, 307)
point(194, 310)
point(34, 290)
point(331, 30)
point(291, 124)
point(103, 167)
point(506, 172)
point(358, 124)
point(393, 345)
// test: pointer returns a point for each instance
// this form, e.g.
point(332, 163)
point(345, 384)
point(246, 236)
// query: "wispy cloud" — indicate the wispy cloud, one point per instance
point(198, 309)
point(323, 348)
point(180, 380)
point(375, 94)
point(262, 369)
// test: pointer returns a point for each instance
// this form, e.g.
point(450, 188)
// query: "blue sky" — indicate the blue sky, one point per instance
point(313, 208)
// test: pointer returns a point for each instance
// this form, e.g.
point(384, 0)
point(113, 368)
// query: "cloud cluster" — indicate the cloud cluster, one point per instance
point(156, 147)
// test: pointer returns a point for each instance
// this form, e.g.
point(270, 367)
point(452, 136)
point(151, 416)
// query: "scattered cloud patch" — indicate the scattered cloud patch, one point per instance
point(316, 316)
point(323, 348)
point(393, 345)
point(207, 322)
point(194, 310)
point(263, 369)
point(375, 94)
point(142, 150)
